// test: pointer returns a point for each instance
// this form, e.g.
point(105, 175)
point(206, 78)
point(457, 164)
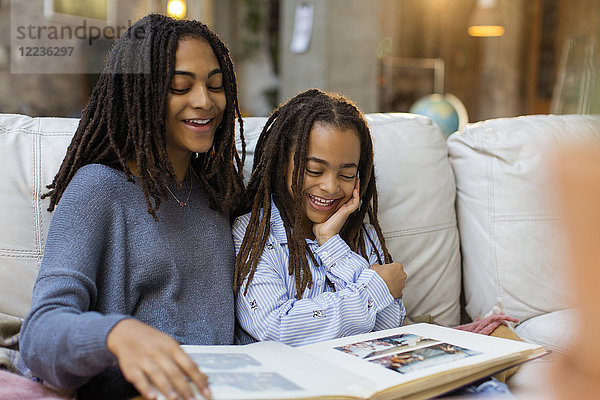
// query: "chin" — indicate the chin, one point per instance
point(319, 218)
point(202, 148)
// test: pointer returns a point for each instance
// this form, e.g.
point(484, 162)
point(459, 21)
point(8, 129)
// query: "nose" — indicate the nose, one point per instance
point(200, 97)
point(328, 183)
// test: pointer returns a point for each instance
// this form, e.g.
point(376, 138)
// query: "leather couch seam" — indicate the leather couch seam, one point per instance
point(28, 131)
point(31, 257)
point(19, 250)
point(492, 208)
point(36, 183)
point(528, 217)
point(420, 230)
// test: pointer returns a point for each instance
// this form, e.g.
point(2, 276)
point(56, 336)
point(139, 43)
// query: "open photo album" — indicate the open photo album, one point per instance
point(411, 362)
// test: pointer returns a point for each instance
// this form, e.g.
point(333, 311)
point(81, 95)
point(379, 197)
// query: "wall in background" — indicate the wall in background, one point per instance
point(66, 94)
point(35, 94)
point(512, 75)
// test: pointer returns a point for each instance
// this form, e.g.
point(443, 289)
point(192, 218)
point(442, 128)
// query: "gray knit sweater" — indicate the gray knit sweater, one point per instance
point(107, 259)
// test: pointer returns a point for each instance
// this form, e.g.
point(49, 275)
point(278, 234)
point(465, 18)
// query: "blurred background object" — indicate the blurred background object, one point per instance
point(545, 60)
point(577, 169)
point(577, 78)
point(404, 80)
point(177, 9)
point(486, 20)
point(409, 84)
point(446, 110)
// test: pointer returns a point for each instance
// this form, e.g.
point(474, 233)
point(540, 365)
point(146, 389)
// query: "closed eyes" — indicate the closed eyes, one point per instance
point(183, 91)
point(318, 173)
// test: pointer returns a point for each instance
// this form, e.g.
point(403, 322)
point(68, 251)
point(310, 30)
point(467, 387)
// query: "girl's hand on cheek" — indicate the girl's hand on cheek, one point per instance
point(152, 360)
point(328, 229)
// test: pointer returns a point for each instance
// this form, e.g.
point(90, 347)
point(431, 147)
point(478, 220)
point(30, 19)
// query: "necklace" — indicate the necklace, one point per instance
point(182, 203)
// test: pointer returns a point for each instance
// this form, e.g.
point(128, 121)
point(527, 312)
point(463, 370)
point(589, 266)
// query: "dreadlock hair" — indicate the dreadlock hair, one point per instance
point(286, 134)
point(125, 116)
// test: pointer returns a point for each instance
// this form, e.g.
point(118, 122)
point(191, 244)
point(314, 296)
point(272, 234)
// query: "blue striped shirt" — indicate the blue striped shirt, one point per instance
point(360, 302)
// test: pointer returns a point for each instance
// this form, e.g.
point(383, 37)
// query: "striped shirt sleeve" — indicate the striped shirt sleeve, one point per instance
point(269, 310)
point(393, 315)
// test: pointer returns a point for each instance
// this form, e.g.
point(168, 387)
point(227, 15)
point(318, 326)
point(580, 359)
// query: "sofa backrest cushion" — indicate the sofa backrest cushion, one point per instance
point(510, 227)
point(416, 191)
point(31, 150)
point(416, 205)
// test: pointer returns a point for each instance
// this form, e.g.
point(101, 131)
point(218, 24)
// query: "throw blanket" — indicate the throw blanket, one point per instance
point(9, 341)
point(15, 387)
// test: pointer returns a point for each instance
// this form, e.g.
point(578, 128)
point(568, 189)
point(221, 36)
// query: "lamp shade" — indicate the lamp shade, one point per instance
point(486, 21)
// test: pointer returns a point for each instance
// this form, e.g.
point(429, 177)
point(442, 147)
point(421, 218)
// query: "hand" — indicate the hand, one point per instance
point(147, 357)
point(328, 229)
point(394, 276)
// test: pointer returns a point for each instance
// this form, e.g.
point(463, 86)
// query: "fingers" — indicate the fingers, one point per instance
point(172, 373)
point(402, 278)
point(394, 276)
point(168, 377)
point(350, 206)
point(154, 362)
point(356, 192)
point(158, 376)
point(354, 201)
point(138, 379)
point(190, 370)
point(324, 231)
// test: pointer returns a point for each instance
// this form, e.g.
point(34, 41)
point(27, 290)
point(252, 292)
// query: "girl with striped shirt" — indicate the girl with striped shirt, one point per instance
point(308, 267)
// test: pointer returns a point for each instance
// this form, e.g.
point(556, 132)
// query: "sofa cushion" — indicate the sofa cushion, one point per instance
point(416, 208)
point(31, 151)
point(416, 190)
point(553, 330)
point(510, 230)
point(416, 205)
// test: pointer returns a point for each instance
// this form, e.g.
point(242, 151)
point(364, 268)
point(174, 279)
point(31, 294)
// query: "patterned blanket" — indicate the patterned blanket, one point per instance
point(9, 342)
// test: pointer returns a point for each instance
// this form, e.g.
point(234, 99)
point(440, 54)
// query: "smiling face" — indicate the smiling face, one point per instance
point(196, 102)
point(332, 161)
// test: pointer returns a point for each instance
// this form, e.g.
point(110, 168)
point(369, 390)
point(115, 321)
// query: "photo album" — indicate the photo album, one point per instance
point(411, 362)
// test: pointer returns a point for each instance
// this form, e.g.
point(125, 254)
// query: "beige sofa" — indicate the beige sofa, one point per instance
point(472, 215)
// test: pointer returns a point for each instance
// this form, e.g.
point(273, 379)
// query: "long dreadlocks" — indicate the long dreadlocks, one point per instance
point(287, 131)
point(124, 118)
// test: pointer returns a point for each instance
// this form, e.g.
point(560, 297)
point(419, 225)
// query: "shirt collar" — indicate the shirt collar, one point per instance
point(277, 227)
point(277, 224)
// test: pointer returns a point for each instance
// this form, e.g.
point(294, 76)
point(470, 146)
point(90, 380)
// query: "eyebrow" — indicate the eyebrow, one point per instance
point(320, 161)
point(192, 75)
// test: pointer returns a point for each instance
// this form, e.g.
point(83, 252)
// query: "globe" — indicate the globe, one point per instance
point(445, 110)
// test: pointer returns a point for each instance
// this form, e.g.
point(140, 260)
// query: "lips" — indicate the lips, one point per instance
point(321, 203)
point(199, 125)
point(198, 122)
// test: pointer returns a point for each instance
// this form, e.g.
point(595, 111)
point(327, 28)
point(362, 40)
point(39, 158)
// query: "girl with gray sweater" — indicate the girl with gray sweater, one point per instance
point(139, 256)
